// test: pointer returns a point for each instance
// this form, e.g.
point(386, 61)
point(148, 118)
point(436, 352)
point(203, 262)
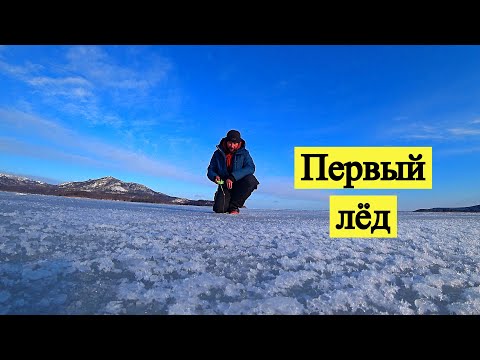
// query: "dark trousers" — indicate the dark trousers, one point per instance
point(226, 200)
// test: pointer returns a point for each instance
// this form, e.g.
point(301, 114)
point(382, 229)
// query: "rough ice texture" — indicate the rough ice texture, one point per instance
point(81, 256)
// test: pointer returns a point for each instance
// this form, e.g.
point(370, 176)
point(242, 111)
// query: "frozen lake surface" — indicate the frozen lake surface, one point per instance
point(81, 256)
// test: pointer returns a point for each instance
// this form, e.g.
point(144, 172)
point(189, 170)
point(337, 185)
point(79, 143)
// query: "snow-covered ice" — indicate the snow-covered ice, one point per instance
point(79, 256)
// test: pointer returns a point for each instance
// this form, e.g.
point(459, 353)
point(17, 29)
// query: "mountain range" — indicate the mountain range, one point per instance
point(106, 188)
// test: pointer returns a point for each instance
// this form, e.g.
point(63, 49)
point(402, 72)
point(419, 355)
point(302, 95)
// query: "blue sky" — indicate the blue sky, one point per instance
point(154, 114)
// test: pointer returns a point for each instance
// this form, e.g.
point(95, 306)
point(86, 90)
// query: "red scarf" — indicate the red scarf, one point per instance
point(229, 157)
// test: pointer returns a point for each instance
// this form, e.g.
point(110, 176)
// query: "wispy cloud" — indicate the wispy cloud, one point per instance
point(425, 136)
point(144, 123)
point(56, 142)
point(88, 78)
point(27, 123)
point(20, 72)
point(59, 89)
point(95, 64)
point(72, 94)
point(460, 151)
point(464, 131)
point(441, 131)
point(71, 87)
point(43, 81)
point(18, 147)
point(93, 113)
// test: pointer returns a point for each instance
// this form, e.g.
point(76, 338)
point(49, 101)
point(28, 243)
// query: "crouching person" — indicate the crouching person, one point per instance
point(232, 168)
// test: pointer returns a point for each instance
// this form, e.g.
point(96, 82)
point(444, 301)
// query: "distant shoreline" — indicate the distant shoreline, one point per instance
point(469, 209)
point(108, 197)
point(99, 199)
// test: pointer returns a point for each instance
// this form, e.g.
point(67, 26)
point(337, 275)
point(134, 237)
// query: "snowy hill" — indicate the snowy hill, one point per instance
point(107, 188)
point(80, 256)
point(6, 178)
point(108, 185)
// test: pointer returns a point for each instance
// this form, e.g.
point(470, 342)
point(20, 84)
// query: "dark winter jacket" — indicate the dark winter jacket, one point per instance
point(242, 163)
